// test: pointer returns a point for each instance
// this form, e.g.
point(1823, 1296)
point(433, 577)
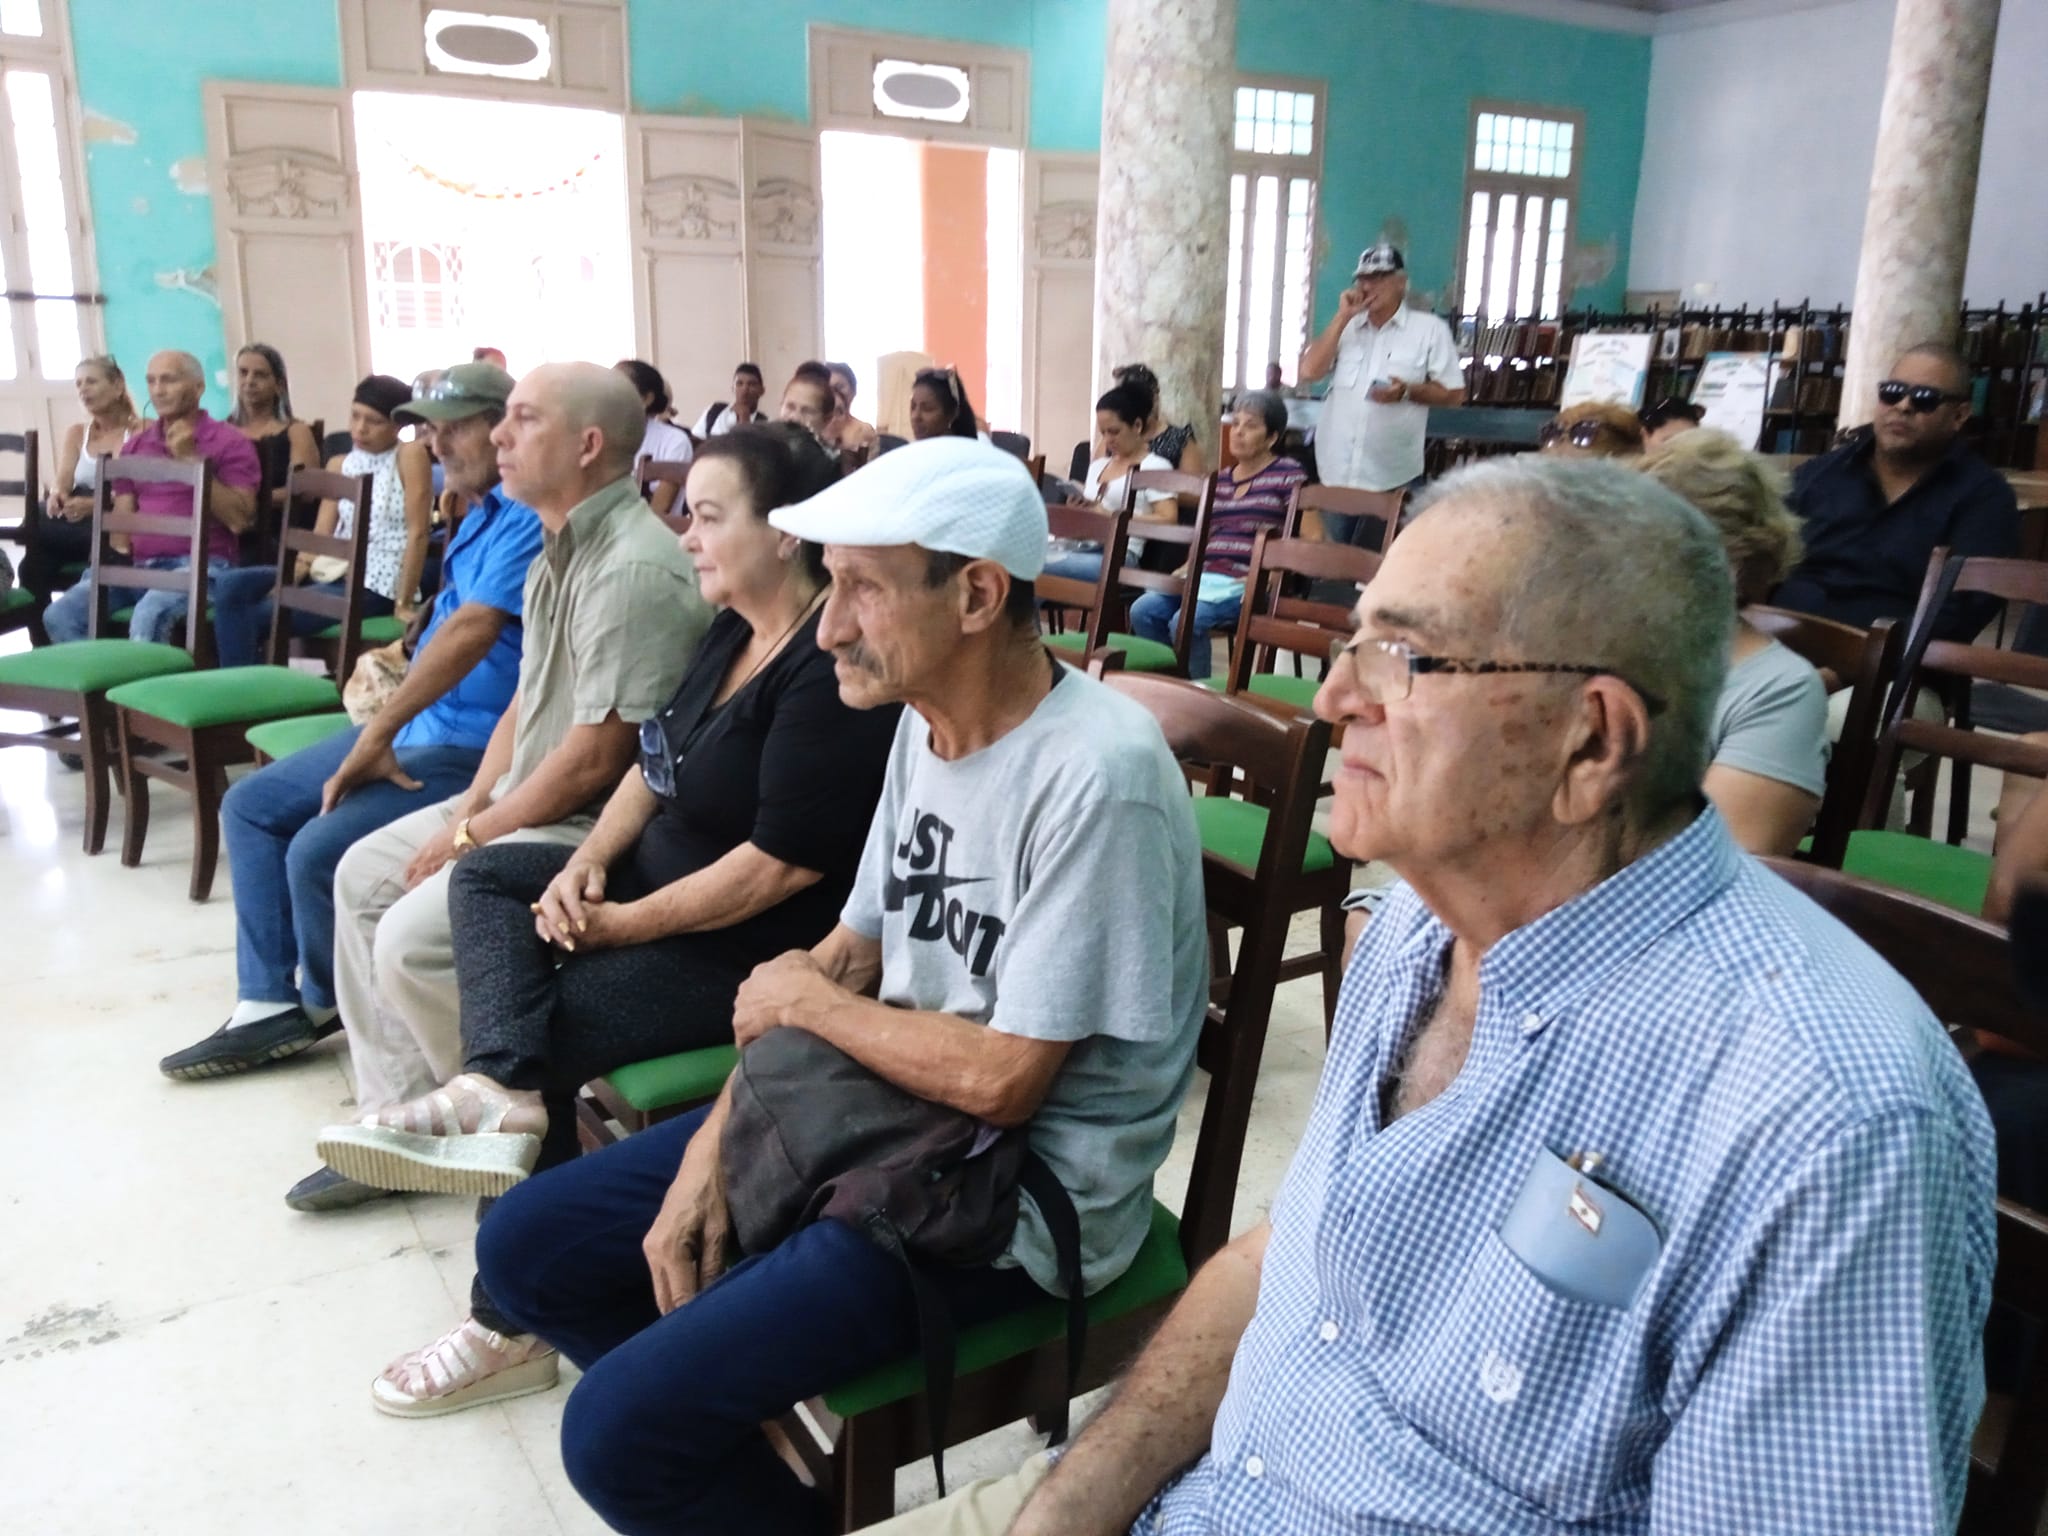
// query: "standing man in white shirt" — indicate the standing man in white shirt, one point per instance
point(1392, 363)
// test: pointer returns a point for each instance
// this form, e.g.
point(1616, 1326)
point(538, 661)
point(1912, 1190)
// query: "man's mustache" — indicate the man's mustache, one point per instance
point(856, 656)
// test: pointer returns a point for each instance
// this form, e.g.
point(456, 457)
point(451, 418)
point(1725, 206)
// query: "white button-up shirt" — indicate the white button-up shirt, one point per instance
point(1374, 447)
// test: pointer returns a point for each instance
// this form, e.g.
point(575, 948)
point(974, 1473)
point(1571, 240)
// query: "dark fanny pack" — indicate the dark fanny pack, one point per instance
point(812, 1135)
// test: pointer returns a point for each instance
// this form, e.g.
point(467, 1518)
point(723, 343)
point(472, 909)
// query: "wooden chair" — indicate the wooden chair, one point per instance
point(675, 472)
point(1141, 654)
point(1962, 967)
point(1384, 506)
point(19, 607)
point(1863, 661)
point(1945, 871)
point(1036, 464)
point(1088, 603)
point(68, 684)
point(1016, 1366)
point(204, 717)
point(1271, 621)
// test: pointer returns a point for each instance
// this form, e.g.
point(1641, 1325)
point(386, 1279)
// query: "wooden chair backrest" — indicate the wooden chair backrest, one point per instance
point(1950, 666)
point(676, 472)
point(1271, 621)
point(1193, 534)
point(1346, 502)
point(345, 607)
point(1111, 530)
point(1863, 661)
point(196, 526)
point(29, 487)
point(1036, 464)
point(1283, 759)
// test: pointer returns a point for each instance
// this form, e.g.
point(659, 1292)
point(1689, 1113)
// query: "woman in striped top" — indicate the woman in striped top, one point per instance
point(1252, 494)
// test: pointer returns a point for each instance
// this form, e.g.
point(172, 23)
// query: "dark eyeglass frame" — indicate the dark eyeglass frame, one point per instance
point(1582, 434)
point(1918, 398)
point(1465, 666)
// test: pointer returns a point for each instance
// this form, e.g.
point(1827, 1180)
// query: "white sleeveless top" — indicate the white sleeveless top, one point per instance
point(386, 550)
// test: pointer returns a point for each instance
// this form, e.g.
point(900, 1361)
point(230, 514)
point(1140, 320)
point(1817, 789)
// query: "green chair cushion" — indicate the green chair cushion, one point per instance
point(1159, 1271)
point(15, 599)
point(1298, 692)
point(229, 696)
point(1955, 877)
point(683, 1078)
point(1236, 830)
point(281, 738)
point(123, 615)
point(381, 630)
point(1140, 654)
point(92, 666)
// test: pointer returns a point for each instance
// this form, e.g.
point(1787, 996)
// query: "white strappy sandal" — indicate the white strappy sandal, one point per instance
point(470, 1137)
point(467, 1366)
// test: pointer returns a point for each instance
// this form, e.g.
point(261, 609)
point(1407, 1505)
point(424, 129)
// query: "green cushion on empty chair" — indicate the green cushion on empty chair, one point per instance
point(381, 630)
point(1955, 877)
point(281, 738)
point(1298, 692)
point(90, 666)
point(1236, 830)
point(1140, 654)
point(229, 696)
point(683, 1078)
point(1158, 1272)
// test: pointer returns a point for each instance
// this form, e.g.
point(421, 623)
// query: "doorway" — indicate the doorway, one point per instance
point(492, 223)
point(923, 253)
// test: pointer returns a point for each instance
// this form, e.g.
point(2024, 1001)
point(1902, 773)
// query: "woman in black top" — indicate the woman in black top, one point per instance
point(736, 838)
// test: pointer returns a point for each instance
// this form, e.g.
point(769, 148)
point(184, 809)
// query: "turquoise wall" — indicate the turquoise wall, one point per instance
point(1400, 76)
point(146, 133)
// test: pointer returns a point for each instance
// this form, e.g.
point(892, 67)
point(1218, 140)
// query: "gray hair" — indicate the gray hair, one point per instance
point(1267, 404)
point(1613, 570)
point(189, 365)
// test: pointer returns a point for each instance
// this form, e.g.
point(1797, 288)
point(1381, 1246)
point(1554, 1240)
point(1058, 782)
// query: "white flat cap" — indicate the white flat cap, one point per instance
point(954, 494)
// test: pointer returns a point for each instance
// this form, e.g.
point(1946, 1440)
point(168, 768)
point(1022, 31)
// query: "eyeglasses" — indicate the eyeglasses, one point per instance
point(1386, 669)
point(1917, 398)
point(1581, 434)
point(656, 766)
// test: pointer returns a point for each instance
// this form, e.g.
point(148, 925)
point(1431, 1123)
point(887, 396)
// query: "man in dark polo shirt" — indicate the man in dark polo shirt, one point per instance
point(1873, 510)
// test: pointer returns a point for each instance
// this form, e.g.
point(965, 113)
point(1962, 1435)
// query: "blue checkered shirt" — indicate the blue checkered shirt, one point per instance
point(1803, 1353)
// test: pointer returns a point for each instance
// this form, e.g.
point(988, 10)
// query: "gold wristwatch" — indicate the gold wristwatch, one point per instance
point(462, 840)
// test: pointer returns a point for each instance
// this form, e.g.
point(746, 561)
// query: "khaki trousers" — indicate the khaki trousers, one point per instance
point(984, 1508)
point(394, 959)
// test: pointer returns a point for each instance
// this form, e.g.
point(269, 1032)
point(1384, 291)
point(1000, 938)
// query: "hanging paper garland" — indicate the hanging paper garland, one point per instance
point(498, 195)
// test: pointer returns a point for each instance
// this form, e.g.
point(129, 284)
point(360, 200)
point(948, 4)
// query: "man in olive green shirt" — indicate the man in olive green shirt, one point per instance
point(613, 616)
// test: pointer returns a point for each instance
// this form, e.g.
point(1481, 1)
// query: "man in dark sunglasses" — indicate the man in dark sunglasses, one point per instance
point(1874, 509)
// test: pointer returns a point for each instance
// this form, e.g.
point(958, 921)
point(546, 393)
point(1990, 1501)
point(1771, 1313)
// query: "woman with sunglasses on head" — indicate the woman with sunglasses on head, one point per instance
point(65, 535)
point(1594, 429)
point(939, 406)
point(735, 839)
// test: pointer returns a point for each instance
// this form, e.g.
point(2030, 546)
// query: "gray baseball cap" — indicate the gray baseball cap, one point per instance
point(457, 393)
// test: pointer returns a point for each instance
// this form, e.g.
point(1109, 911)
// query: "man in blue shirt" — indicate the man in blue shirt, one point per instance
point(1638, 1195)
point(287, 826)
point(1872, 511)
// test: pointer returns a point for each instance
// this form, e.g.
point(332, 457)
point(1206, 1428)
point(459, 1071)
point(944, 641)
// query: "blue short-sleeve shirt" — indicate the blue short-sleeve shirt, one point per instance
point(486, 563)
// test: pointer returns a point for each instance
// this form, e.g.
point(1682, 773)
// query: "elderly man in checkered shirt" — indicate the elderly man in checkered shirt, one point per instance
point(1638, 1195)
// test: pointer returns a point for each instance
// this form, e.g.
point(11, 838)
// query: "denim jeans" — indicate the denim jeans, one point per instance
point(282, 853)
point(1154, 615)
point(663, 1431)
point(1082, 565)
point(241, 613)
point(159, 614)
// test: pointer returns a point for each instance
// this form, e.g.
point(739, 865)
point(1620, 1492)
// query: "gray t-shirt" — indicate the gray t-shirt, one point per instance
point(1772, 720)
point(1050, 886)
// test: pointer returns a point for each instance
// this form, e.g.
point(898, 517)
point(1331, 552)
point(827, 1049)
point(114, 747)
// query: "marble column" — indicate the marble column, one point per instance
point(1163, 221)
point(1923, 190)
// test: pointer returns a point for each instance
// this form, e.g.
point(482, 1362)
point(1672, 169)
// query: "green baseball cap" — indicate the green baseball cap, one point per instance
point(456, 393)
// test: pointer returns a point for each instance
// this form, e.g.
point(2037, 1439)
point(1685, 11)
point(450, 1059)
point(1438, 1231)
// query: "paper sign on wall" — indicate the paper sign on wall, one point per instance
point(1608, 365)
point(1733, 389)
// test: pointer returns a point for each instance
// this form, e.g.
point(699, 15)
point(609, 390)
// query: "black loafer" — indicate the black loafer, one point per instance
point(327, 1190)
point(237, 1048)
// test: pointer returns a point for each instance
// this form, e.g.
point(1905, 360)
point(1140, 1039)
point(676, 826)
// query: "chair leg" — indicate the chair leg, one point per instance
point(1333, 964)
point(96, 746)
point(209, 784)
point(866, 1468)
point(135, 828)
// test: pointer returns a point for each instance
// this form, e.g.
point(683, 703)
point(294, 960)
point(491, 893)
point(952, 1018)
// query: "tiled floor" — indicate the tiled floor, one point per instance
point(181, 1353)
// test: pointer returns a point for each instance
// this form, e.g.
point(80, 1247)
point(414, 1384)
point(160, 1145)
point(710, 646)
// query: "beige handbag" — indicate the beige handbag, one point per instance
point(375, 679)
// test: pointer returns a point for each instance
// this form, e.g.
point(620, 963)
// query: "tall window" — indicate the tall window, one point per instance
point(1275, 160)
point(1521, 186)
point(41, 321)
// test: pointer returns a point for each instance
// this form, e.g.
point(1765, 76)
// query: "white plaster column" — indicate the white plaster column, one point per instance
point(1163, 222)
point(1923, 189)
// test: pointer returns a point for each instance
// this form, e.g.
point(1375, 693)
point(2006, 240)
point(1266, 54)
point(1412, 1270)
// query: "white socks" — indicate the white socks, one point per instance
point(256, 1013)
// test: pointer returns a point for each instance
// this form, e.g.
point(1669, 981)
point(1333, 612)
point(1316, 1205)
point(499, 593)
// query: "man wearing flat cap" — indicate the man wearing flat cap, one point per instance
point(1019, 795)
point(1391, 364)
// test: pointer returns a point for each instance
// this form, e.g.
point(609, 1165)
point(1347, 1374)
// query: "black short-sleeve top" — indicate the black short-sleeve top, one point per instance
point(782, 764)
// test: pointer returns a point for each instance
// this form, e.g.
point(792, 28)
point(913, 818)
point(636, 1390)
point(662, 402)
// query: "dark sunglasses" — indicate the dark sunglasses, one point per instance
point(1917, 398)
point(1581, 434)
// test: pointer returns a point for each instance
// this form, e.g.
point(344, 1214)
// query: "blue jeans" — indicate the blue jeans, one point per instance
point(241, 613)
point(282, 853)
point(663, 1434)
point(1081, 566)
point(159, 615)
point(1154, 615)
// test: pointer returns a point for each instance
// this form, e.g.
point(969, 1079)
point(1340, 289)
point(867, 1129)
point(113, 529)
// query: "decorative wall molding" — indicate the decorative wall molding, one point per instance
point(696, 208)
point(1066, 232)
point(784, 211)
point(287, 184)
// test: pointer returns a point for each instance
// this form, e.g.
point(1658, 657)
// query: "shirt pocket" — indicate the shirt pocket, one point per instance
point(1538, 1393)
point(1350, 366)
